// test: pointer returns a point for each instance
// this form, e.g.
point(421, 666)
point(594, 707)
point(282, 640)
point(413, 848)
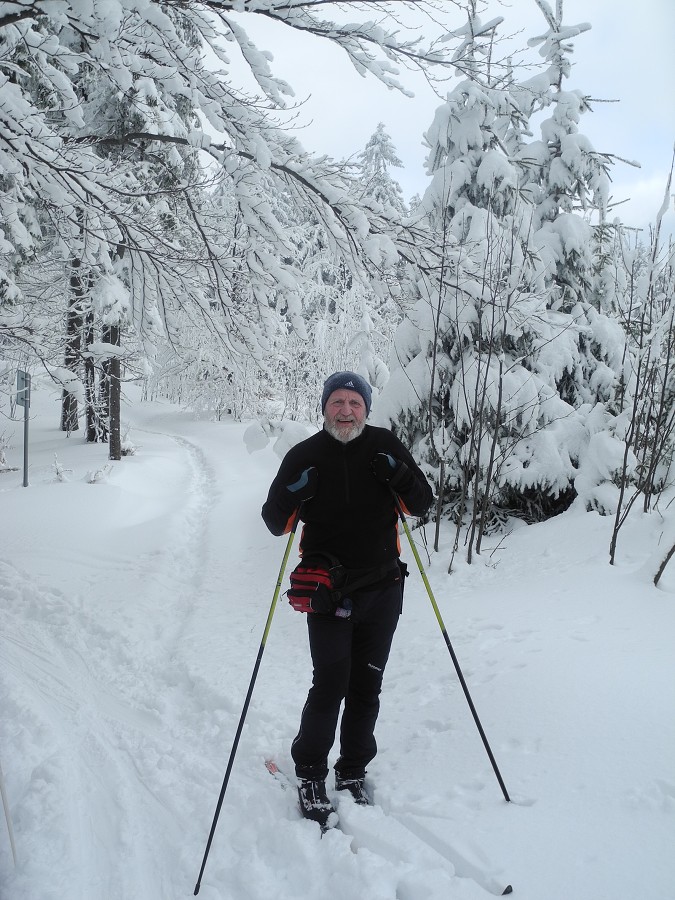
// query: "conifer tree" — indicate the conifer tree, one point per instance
point(492, 337)
point(567, 181)
point(375, 161)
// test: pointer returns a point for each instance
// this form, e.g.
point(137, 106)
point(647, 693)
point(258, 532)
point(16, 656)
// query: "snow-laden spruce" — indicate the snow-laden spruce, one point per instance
point(509, 353)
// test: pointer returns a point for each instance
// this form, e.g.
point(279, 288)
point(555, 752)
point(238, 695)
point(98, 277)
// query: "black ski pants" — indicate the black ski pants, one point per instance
point(349, 657)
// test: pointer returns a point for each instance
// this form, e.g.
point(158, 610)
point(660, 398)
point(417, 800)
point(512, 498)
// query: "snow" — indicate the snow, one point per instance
point(133, 610)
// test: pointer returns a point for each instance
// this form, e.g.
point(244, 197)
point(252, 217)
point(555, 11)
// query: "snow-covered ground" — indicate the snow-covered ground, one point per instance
point(132, 613)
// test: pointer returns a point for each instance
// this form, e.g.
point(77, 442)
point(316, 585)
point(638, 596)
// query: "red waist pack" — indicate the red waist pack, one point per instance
point(315, 587)
point(321, 584)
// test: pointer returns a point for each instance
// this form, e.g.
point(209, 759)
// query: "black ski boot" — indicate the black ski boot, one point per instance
point(355, 786)
point(314, 803)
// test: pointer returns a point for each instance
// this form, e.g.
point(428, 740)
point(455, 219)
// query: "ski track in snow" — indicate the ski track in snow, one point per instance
point(90, 767)
point(110, 711)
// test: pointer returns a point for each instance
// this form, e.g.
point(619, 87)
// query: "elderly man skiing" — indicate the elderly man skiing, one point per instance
point(350, 581)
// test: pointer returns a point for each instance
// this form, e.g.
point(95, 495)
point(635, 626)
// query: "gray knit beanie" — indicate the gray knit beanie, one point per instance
point(348, 381)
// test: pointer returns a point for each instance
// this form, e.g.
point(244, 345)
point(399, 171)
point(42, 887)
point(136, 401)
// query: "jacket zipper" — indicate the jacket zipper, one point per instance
point(346, 471)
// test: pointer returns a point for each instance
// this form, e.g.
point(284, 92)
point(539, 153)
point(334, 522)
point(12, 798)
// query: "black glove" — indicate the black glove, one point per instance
point(304, 484)
point(323, 600)
point(392, 472)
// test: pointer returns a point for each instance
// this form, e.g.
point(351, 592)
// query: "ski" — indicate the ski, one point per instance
point(463, 866)
point(287, 783)
point(277, 774)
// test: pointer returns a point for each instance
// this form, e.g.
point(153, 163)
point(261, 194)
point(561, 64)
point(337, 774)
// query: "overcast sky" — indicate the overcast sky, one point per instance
point(627, 56)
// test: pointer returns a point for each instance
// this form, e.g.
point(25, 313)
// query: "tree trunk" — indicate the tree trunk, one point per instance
point(112, 394)
point(69, 410)
point(439, 503)
point(91, 412)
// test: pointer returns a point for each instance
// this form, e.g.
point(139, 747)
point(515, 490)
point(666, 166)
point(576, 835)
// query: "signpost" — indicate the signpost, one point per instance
point(23, 399)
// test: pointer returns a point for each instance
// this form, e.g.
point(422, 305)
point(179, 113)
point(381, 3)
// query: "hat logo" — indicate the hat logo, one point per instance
point(349, 384)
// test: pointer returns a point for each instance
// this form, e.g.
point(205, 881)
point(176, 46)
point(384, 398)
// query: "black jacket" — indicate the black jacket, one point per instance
point(352, 516)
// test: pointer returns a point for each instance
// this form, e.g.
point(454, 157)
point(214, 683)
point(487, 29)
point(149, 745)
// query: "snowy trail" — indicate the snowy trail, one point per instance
point(171, 576)
point(128, 644)
point(105, 705)
point(407, 856)
point(100, 801)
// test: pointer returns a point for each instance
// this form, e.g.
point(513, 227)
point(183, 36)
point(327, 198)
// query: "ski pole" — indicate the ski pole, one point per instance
point(247, 701)
point(404, 522)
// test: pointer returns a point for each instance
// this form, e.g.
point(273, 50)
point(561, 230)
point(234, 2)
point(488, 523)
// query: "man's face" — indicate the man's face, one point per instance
point(345, 415)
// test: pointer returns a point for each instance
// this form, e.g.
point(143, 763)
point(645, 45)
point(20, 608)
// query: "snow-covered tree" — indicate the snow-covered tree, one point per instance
point(567, 182)
point(644, 426)
point(508, 354)
point(486, 421)
point(375, 161)
point(96, 99)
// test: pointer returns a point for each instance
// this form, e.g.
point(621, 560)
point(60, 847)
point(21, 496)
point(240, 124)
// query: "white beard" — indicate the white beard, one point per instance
point(345, 435)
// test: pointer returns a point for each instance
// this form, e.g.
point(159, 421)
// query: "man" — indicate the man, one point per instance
point(341, 480)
